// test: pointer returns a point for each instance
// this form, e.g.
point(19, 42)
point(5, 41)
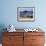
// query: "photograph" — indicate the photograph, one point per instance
point(25, 13)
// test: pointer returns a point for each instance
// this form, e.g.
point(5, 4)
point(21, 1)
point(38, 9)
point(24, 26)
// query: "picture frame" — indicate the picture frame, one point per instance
point(25, 14)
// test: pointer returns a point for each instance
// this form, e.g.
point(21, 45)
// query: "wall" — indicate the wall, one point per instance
point(9, 13)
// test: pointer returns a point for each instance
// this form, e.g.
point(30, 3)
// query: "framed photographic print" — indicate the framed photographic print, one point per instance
point(26, 14)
